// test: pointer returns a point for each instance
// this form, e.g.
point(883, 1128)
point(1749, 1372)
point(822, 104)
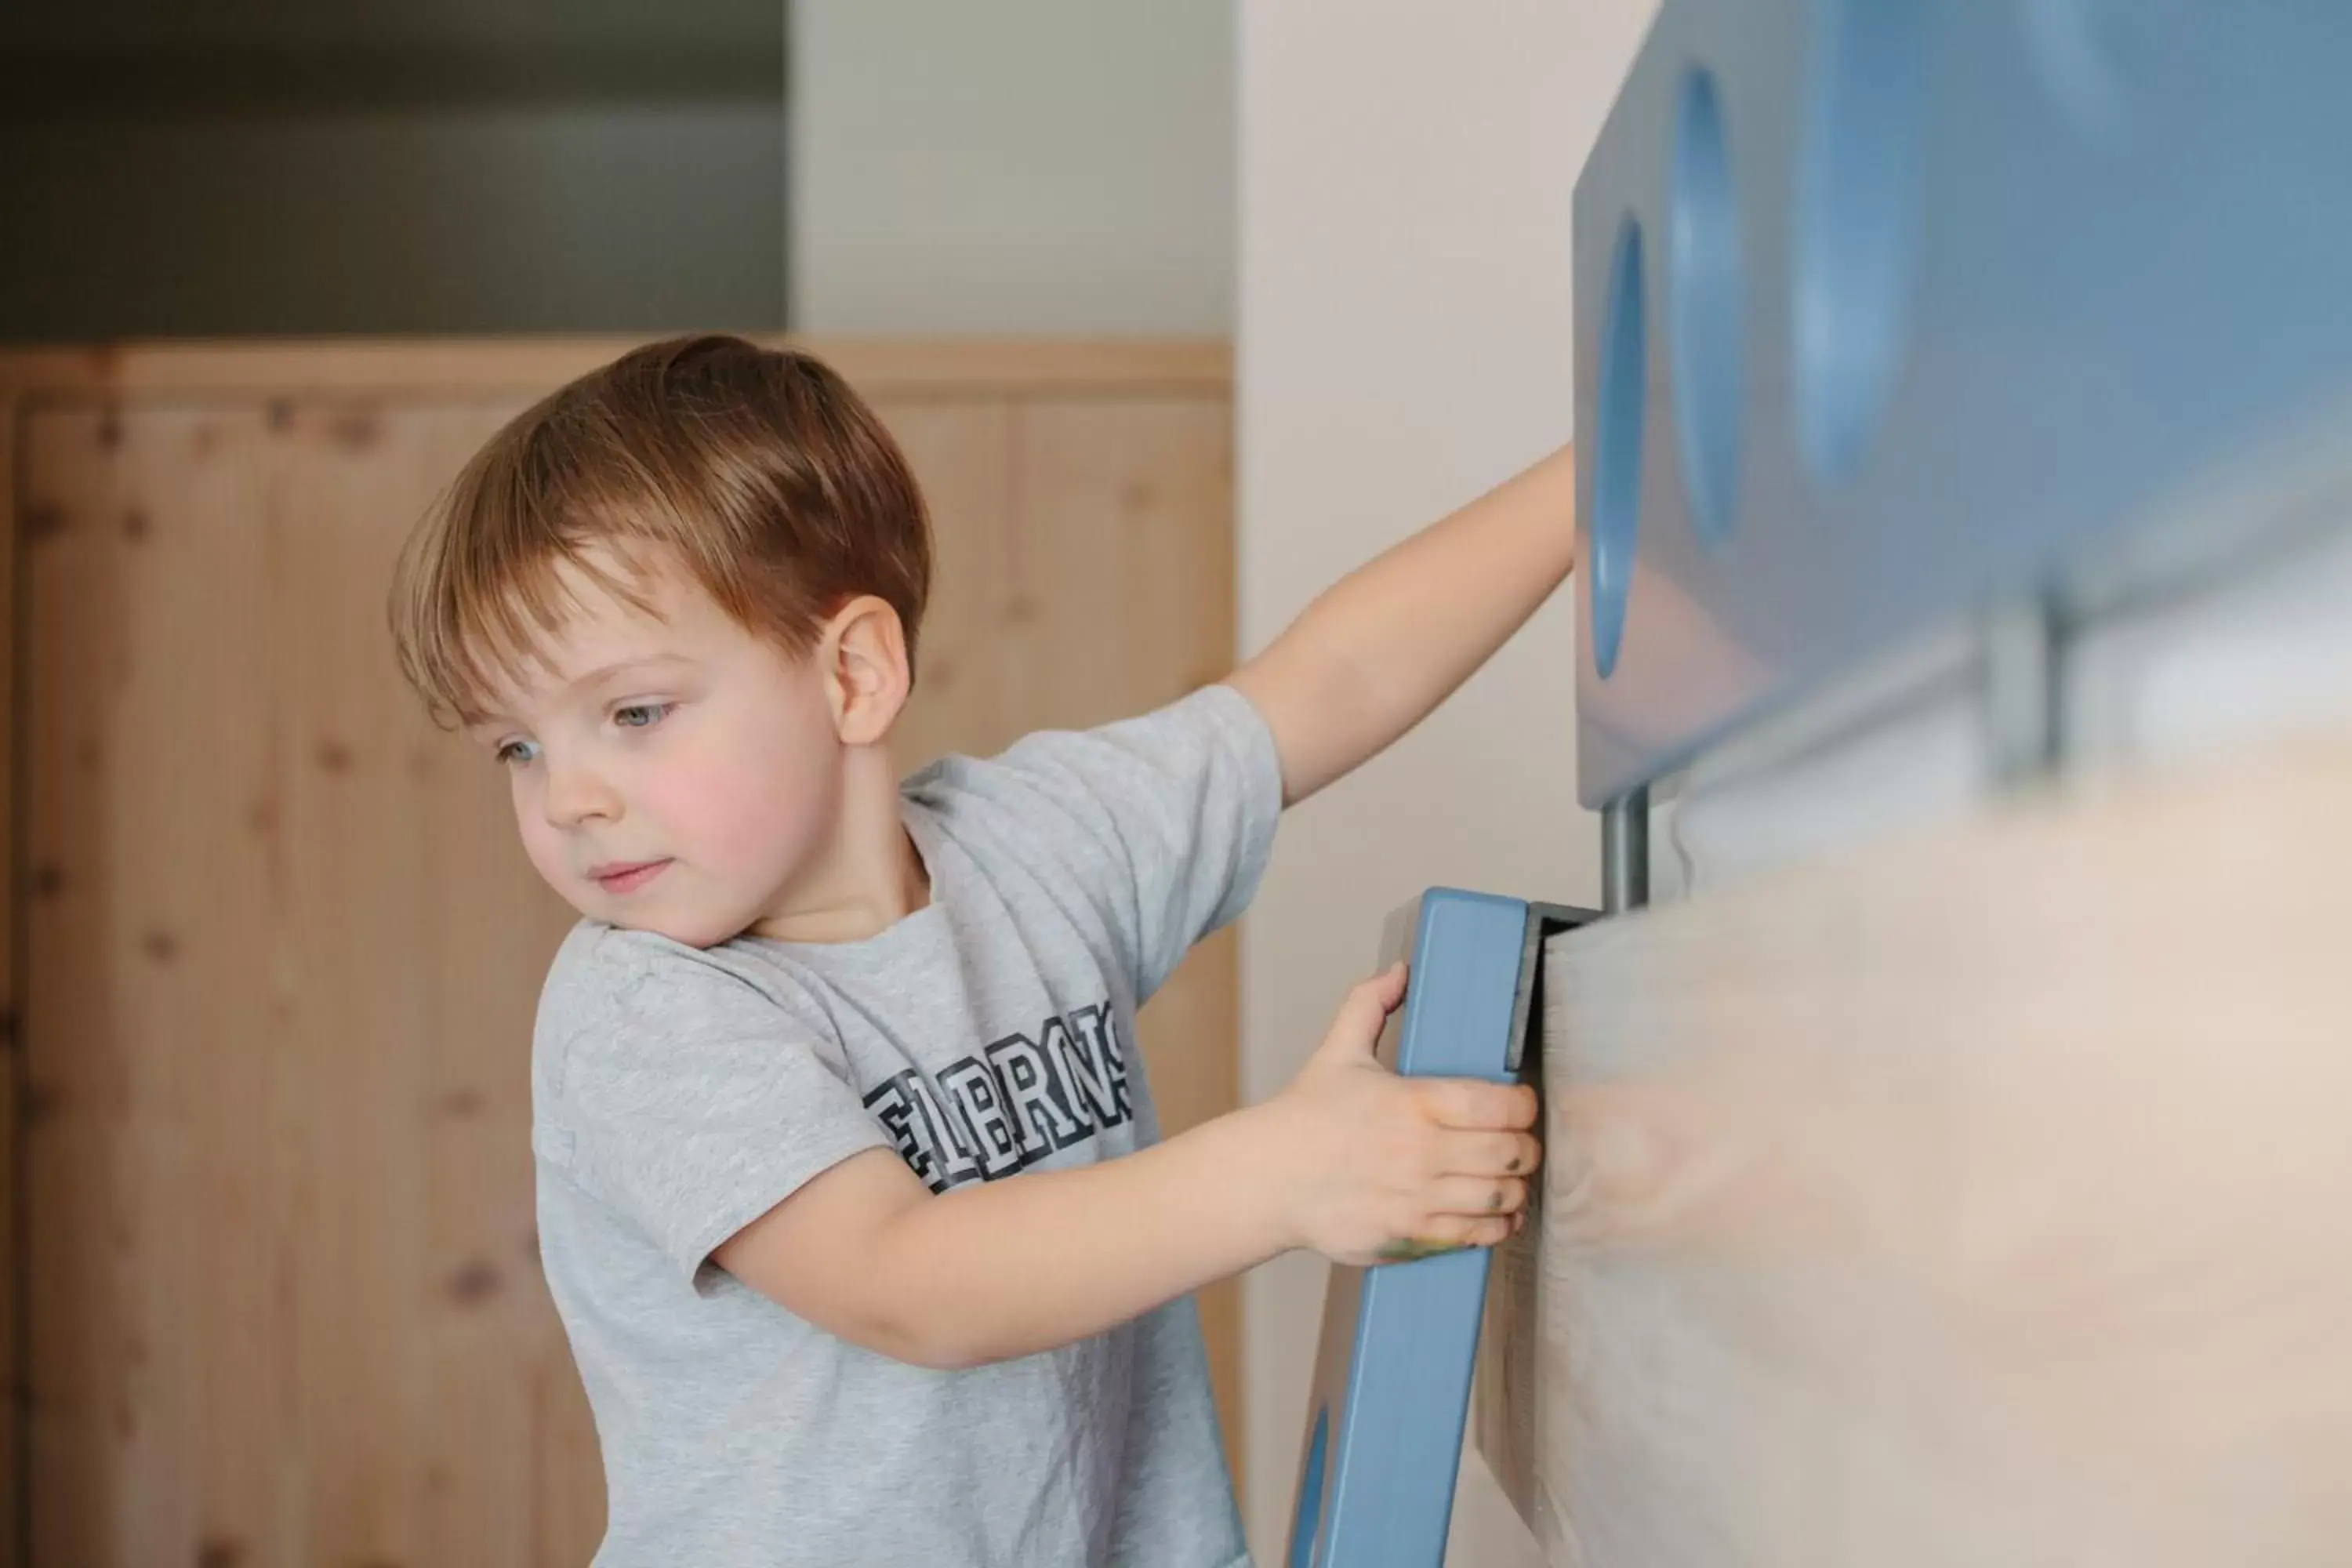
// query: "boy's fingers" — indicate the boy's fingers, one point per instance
point(1489, 1154)
point(1478, 1196)
point(1356, 1026)
point(1469, 1104)
point(1449, 1233)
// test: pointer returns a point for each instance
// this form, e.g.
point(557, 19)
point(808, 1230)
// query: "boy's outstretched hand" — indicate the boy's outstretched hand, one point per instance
point(1371, 1167)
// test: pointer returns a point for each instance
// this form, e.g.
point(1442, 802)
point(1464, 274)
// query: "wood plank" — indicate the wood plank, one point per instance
point(961, 453)
point(60, 466)
point(987, 368)
point(64, 489)
point(148, 1007)
point(1977, 1200)
point(14, 1393)
point(1121, 573)
point(352, 912)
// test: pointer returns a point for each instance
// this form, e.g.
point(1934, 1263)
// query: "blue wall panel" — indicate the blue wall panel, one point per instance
point(1934, 298)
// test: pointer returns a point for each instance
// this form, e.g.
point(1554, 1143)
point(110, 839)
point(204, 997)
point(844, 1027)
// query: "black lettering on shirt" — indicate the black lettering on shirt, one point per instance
point(1041, 1111)
point(1015, 1103)
point(1088, 1050)
point(972, 1089)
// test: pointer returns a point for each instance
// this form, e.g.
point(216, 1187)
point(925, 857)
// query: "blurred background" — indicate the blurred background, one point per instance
point(262, 166)
point(1181, 311)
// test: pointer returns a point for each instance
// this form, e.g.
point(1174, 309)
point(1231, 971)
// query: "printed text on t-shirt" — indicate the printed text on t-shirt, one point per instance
point(1019, 1100)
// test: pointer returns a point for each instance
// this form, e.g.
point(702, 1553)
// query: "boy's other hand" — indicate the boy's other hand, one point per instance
point(1371, 1167)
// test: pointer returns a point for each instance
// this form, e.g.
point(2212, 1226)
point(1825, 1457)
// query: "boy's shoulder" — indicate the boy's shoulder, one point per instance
point(608, 980)
point(607, 960)
point(1131, 763)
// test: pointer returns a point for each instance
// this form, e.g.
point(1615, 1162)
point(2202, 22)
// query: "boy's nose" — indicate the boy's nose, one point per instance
point(577, 795)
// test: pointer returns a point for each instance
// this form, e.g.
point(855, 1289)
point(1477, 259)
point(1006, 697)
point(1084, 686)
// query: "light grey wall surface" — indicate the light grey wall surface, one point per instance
point(1028, 166)
point(1404, 343)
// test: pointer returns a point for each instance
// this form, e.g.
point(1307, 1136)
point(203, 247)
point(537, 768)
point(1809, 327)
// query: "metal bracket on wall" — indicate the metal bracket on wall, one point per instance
point(2024, 662)
point(1625, 851)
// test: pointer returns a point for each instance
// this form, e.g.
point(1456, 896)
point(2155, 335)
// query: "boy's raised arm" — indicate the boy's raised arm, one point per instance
point(1369, 657)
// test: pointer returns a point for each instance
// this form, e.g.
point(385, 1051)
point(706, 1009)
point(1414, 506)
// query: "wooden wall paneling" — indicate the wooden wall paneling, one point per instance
point(350, 912)
point(203, 584)
point(286, 1305)
point(470, 368)
point(1124, 553)
point(71, 1299)
point(1974, 1200)
point(961, 452)
point(150, 1007)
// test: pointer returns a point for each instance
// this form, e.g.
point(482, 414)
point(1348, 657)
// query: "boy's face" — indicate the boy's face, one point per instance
point(671, 771)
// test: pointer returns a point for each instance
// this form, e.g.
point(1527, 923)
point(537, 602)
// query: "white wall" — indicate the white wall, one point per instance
point(1404, 343)
point(1045, 167)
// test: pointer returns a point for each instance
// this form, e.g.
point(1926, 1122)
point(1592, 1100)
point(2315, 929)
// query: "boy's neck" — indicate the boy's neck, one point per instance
point(867, 875)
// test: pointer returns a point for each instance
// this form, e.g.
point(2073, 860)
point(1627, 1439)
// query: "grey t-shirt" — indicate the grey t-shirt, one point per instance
point(679, 1094)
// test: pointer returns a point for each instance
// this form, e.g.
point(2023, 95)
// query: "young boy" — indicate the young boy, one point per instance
point(850, 1190)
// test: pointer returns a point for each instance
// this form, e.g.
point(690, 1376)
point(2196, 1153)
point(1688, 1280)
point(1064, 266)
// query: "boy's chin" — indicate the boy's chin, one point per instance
point(688, 928)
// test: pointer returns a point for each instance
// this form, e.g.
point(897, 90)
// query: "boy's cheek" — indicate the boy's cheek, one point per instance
point(738, 800)
point(730, 823)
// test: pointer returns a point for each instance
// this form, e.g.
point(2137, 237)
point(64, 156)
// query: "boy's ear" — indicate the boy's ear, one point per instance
point(862, 653)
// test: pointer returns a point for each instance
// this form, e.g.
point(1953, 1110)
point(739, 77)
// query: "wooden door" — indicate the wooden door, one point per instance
point(284, 1303)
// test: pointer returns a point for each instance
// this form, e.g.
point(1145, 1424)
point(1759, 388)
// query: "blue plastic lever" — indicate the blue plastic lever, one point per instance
point(1392, 1389)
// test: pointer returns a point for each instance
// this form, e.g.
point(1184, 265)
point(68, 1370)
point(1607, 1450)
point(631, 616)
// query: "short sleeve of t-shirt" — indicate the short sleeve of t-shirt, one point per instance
point(681, 1095)
point(1167, 819)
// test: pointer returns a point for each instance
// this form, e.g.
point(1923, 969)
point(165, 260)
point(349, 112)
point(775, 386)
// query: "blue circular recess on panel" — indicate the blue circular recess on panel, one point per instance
point(1703, 306)
point(1617, 466)
point(1306, 1529)
point(1858, 222)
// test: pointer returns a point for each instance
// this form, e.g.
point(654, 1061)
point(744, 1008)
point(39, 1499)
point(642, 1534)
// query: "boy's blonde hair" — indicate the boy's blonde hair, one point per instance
point(758, 471)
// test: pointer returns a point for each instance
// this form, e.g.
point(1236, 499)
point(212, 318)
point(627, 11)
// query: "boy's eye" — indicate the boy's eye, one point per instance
point(640, 715)
point(515, 753)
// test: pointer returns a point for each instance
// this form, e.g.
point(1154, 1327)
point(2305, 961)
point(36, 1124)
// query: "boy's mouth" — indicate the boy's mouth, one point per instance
point(627, 876)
